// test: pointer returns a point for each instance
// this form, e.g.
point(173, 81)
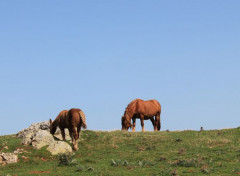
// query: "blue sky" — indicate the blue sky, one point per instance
point(100, 55)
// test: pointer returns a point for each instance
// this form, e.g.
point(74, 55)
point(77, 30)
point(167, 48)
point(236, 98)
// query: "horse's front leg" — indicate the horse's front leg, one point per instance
point(63, 134)
point(142, 122)
point(134, 124)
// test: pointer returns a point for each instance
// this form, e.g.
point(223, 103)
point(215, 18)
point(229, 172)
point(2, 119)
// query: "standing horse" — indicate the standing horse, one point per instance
point(76, 120)
point(143, 110)
point(73, 119)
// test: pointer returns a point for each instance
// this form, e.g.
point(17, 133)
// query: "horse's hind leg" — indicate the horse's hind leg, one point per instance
point(79, 130)
point(75, 138)
point(70, 133)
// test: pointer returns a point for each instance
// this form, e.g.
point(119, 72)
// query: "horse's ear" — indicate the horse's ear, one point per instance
point(50, 121)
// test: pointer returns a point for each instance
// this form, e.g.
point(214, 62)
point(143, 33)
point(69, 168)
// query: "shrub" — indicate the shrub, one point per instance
point(66, 160)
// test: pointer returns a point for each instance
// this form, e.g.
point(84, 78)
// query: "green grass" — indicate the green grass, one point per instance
point(215, 152)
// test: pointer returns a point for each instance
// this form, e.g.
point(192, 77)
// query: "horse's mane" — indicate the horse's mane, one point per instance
point(130, 105)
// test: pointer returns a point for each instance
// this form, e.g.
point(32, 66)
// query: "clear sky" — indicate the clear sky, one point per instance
point(100, 55)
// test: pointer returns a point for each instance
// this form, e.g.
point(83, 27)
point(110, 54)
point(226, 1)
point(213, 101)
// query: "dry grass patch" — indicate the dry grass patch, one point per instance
point(218, 142)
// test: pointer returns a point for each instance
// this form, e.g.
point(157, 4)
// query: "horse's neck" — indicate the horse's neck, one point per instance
point(64, 121)
point(130, 113)
point(131, 109)
point(56, 122)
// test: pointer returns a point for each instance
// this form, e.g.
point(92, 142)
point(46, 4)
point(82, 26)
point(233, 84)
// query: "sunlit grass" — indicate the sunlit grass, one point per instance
point(215, 152)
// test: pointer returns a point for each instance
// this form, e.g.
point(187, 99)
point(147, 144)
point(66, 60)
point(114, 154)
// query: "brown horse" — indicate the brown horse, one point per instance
point(143, 110)
point(73, 119)
point(76, 120)
point(61, 121)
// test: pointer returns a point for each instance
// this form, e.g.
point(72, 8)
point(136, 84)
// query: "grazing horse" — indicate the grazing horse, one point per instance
point(143, 110)
point(61, 121)
point(73, 119)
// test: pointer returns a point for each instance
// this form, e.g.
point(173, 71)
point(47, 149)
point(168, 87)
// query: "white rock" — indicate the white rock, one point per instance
point(27, 138)
point(41, 139)
point(9, 157)
point(58, 147)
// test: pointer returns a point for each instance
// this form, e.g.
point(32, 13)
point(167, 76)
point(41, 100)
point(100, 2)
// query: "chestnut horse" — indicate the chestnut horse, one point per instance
point(76, 120)
point(61, 121)
point(73, 119)
point(144, 110)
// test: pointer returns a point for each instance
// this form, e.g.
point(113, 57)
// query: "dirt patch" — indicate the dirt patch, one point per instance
point(39, 172)
point(43, 159)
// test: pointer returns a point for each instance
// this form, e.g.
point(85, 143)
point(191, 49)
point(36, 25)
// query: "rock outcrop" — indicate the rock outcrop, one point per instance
point(28, 133)
point(38, 136)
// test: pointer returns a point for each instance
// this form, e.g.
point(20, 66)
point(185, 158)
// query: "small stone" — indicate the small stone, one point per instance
point(25, 158)
point(9, 157)
point(19, 150)
point(179, 140)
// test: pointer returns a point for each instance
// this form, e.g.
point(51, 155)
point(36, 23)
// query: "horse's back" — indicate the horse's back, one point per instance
point(74, 117)
point(149, 107)
point(157, 104)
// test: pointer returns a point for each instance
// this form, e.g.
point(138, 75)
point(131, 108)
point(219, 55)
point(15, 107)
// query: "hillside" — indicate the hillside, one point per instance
point(215, 152)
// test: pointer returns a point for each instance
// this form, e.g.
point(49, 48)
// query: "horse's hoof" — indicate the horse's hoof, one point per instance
point(75, 149)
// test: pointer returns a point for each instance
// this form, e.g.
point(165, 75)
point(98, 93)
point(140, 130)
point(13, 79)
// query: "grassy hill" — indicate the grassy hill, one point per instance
point(215, 152)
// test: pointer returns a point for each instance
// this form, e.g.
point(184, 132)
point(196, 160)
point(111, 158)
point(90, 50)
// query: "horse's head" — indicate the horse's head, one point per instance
point(126, 124)
point(52, 127)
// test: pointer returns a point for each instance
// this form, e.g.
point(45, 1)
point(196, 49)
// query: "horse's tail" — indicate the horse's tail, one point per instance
point(83, 119)
point(159, 115)
point(159, 123)
point(159, 120)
